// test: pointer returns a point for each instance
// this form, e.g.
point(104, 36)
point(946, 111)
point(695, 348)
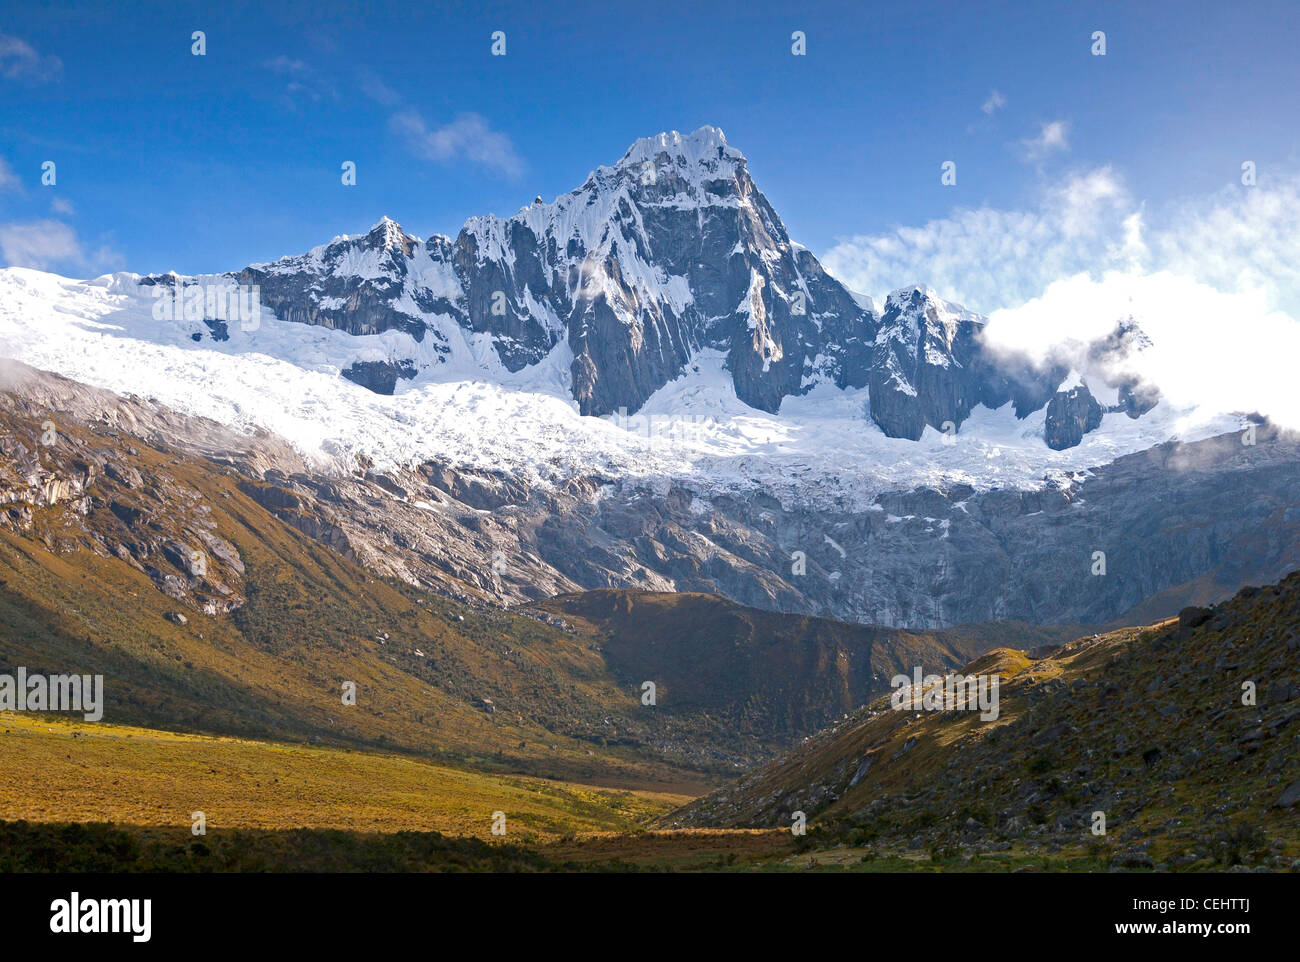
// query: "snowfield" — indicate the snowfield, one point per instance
point(821, 449)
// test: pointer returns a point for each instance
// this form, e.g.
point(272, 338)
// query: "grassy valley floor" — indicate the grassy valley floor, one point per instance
point(64, 771)
point(83, 797)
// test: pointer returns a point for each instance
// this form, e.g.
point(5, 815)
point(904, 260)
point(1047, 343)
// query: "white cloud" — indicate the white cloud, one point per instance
point(19, 60)
point(304, 80)
point(47, 244)
point(988, 258)
point(1214, 282)
point(1084, 200)
point(994, 103)
point(1210, 349)
point(1241, 238)
point(61, 206)
point(39, 244)
point(1052, 137)
point(8, 179)
point(468, 137)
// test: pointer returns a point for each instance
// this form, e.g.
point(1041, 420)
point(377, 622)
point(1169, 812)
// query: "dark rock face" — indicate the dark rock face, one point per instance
point(379, 376)
point(348, 285)
point(1109, 353)
point(922, 368)
point(930, 367)
point(671, 251)
point(1136, 400)
point(1027, 388)
point(1070, 415)
point(219, 328)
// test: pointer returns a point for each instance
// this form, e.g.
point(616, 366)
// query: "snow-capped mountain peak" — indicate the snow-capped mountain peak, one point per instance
point(706, 147)
point(388, 233)
point(671, 251)
point(617, 286)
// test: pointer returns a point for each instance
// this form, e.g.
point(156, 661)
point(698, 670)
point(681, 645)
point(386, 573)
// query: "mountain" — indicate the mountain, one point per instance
point(621, 284)
point(766, 434)
point(638, 434)
point(1183, 734)
point(670, 251)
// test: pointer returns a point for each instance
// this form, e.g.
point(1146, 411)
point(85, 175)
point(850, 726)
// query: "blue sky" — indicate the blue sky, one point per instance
point(166, 160)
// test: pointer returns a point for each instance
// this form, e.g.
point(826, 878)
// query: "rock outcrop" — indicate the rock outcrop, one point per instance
point(64, 487)
point(1071, 413)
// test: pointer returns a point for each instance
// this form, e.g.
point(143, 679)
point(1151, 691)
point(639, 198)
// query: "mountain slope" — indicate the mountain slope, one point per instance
point(1180, 524)
point(755, 670)
point(194, 589)
point(1145, 725)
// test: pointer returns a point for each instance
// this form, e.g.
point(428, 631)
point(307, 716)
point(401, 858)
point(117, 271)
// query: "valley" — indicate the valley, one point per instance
point(238, 623)
point(223, 681)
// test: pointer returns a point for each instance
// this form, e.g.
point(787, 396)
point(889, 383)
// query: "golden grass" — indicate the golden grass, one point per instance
point(61, 770)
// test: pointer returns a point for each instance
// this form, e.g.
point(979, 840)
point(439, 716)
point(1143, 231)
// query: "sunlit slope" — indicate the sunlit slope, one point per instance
point(58, 770)
point(1186, 735)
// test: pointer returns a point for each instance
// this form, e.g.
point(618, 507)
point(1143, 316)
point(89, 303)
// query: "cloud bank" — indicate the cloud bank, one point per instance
point(51, 244)
point(1214, 283)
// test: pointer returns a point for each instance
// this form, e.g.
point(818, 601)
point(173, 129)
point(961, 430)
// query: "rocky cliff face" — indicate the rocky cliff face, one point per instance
point(1071, 413)
point(929, 368)
point(65, 487)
